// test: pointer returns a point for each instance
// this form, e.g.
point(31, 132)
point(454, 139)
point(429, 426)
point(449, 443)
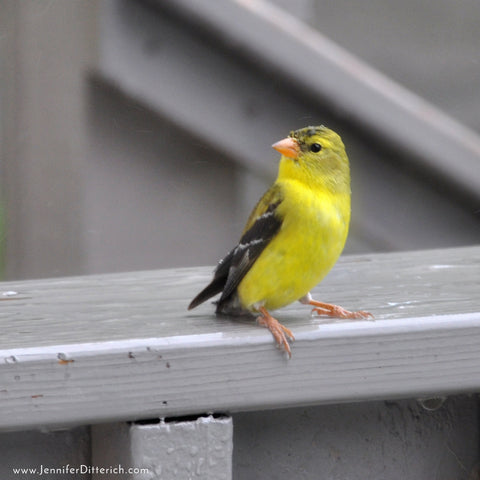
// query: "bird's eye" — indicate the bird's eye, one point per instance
point(315, 147)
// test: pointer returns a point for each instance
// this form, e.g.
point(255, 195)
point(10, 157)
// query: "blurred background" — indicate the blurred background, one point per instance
point(136, 134)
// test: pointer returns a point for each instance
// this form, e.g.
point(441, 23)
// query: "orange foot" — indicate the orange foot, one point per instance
point(279, 332)
point(336, 311)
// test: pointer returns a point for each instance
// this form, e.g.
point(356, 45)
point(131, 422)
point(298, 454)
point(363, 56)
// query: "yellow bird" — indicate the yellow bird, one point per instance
point(293, 236)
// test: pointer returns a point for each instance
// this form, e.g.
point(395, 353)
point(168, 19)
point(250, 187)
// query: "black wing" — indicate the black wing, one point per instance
point(262, 226)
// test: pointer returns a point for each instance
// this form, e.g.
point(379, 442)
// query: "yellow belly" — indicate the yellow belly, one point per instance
point(311, 239)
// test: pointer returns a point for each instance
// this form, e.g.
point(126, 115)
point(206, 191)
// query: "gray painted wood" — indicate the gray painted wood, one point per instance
point(45, 454)
point(45, 52)
point(195, 448)
point(282, 43)
point(123, 346)
point(394, 440)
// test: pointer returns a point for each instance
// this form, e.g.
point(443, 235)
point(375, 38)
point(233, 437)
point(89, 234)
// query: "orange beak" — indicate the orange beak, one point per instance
point(288, 147)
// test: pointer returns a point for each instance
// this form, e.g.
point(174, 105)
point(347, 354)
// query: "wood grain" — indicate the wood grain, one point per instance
point(123, 346)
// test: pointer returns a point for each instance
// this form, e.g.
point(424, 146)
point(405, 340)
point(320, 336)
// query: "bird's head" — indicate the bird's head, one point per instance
point(315, 156)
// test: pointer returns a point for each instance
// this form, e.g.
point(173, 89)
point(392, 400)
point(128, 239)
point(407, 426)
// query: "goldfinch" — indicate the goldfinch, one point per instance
point(293, 236)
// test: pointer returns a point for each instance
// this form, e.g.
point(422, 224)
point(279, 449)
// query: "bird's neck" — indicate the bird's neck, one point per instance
point(329, 180)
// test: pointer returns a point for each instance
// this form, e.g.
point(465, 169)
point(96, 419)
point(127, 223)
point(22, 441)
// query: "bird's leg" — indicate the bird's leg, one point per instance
point(279, 332)
point(333, 310)
point(337, 311)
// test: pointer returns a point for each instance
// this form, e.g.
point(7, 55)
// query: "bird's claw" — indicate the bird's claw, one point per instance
point(280, 332)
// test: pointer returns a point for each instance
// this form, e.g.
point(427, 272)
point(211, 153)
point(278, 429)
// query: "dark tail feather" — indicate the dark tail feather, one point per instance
point(216, 286)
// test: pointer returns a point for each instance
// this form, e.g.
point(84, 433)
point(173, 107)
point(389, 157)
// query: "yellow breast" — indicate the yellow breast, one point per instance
point(312, 236)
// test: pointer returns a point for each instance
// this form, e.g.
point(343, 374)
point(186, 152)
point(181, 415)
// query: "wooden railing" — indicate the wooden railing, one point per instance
point(117, 348)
